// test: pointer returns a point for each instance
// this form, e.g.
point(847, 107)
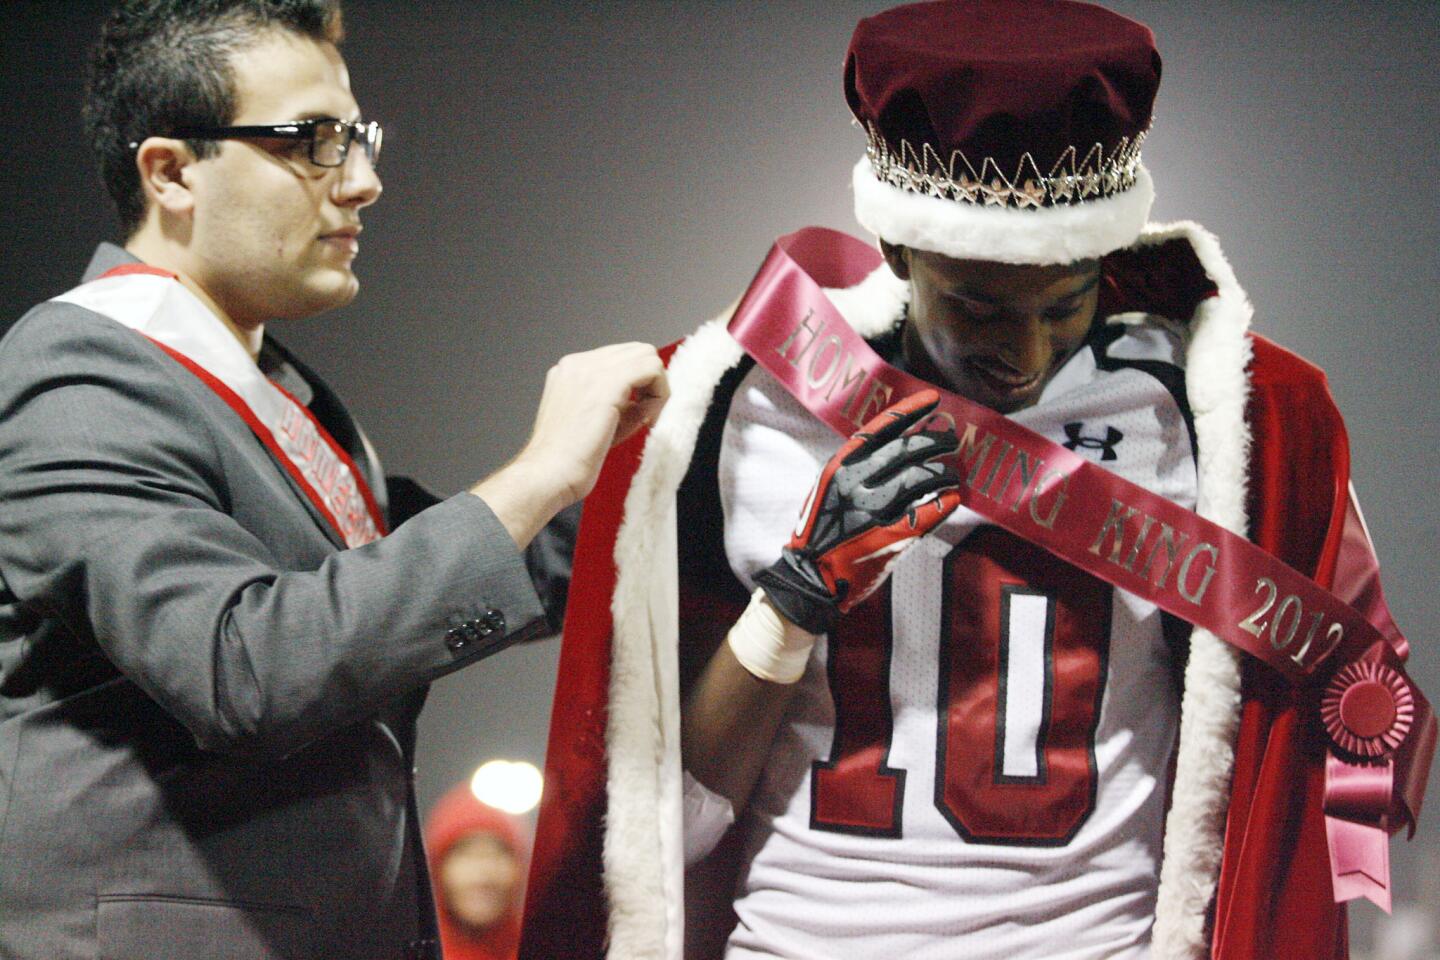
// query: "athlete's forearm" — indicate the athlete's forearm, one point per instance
point(727, 726)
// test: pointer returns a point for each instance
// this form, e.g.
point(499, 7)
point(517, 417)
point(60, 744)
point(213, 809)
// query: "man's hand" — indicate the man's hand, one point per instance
point(591, 402)
point(878, 494)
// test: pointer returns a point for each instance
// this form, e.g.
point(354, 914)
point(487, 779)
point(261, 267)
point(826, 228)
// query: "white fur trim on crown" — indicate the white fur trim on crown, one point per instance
point(965, 231)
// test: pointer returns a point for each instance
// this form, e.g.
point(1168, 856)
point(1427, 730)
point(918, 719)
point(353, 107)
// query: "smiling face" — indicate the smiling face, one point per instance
point(273, 235)
point(995, 333)
point(480, 881)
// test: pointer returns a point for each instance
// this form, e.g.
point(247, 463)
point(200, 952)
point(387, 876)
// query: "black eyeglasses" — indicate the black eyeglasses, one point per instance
point(329, 139)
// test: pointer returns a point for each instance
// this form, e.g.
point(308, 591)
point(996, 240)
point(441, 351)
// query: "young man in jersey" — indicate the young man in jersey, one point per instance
point(996, 754)
point(212, 649)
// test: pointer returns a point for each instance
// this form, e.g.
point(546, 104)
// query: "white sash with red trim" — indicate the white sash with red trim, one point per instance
point(152, 303)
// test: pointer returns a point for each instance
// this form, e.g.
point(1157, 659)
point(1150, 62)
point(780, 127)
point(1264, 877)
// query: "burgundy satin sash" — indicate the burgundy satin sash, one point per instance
point(1097, 521)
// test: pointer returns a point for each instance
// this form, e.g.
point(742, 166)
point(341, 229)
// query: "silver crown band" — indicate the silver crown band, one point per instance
point(1068, 182)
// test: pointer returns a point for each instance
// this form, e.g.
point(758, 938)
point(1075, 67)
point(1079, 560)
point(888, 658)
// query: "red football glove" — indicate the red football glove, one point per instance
point(880, 492)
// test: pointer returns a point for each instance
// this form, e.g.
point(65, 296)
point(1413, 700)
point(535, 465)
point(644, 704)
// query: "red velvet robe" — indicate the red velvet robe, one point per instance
point(1274, 898)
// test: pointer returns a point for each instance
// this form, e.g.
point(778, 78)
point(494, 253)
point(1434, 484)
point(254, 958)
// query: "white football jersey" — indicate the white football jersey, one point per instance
point(975, 762)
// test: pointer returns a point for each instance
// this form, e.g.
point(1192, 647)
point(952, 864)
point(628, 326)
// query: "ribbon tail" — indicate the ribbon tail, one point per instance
point(1359, 861)
point(1359, 848)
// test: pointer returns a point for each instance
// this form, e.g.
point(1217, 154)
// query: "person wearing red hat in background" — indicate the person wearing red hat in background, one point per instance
point(478, 856)
point(760, 749)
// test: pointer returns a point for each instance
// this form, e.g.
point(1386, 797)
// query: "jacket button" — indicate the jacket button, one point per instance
point(494, 619)
point(456, 638)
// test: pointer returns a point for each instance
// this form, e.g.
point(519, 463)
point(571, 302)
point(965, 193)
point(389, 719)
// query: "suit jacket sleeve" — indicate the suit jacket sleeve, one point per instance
point(550, 560)
point(119, 522)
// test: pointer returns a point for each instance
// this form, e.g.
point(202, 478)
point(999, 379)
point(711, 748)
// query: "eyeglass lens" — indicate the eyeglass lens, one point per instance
point(332, 141)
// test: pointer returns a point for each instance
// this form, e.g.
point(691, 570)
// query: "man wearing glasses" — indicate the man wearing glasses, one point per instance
point(212, 648)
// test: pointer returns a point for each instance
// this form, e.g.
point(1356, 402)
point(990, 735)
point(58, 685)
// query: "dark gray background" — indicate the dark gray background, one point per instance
point(560, 176)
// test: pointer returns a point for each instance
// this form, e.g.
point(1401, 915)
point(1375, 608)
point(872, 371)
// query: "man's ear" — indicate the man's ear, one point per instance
point(898, 258)
point(163, 165)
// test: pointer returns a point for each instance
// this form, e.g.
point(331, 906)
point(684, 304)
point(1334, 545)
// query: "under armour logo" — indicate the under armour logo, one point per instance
point(1112, 437)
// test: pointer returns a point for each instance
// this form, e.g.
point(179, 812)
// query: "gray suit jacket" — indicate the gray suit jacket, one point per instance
point(206, 704)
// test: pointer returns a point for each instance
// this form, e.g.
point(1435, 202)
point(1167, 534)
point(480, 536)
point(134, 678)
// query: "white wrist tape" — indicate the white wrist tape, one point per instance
point(767, 645)
point(707, 816)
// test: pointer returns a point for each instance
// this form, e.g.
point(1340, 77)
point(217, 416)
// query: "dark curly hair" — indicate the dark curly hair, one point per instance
point(162, 64)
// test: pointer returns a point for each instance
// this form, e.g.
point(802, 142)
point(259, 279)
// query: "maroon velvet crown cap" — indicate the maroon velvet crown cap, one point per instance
point(976, 109)
point(1002, 78)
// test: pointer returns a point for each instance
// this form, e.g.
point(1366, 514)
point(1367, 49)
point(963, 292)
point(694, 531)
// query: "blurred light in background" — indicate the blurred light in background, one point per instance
point(510, 785)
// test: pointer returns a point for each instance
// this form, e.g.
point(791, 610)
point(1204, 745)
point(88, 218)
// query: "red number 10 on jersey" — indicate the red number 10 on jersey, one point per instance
point(1021, 656)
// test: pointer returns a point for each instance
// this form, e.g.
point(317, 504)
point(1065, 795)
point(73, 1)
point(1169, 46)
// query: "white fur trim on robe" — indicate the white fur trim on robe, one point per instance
point(1217, 356)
